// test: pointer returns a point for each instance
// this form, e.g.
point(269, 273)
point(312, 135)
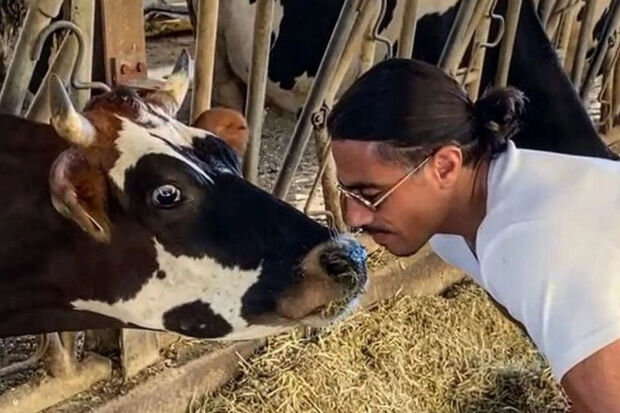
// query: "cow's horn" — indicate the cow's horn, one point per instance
point(178, 81)
point(68, 123)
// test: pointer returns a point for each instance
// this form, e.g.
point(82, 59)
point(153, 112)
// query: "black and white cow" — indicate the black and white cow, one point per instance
point(556, 120)
point(123, 216)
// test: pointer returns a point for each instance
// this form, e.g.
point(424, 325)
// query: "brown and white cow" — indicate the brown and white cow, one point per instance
point(123, 216)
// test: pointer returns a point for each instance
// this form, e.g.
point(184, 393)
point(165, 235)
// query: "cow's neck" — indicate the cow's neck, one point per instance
point(559, 123)
point(45, 259)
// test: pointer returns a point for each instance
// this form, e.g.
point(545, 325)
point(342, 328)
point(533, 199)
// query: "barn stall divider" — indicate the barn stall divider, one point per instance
point(355, 35)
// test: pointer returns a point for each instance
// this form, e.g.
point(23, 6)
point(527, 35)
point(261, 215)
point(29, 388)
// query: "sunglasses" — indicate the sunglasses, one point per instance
point(374, 206)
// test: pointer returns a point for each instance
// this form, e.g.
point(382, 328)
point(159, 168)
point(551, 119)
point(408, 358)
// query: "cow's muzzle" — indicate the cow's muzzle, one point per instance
point(333, 278)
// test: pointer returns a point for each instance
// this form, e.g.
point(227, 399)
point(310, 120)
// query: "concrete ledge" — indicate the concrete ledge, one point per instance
point(34, 397)
point(172, 390)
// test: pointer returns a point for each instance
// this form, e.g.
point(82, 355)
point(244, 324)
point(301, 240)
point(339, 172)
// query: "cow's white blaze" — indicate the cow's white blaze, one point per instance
point(186, 280)
point(135, 141)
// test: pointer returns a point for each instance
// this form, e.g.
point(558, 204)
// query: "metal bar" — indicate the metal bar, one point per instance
point(15, 86)
point(477, 61)
point(58, 360)
point(206, 34)
point(408, 28)
point(375, 31)
point(585, 33)
point(351, 49)
point(257, 86)
point(315, 184)
point(59, 25)
point(449, 59)
point(367, 57)
point(611, 24)
point(327, 175)
point(315, 97)
point(607, 102)
point(482, 8)
point(30, 361)
point(82, 13)
point(367, 54)
point(545, 9)
point(616, 90)
point(606, 96)
point(554, 18)
point(329, 178)
point(566, 27)
point(505, 51)
point(62, 65)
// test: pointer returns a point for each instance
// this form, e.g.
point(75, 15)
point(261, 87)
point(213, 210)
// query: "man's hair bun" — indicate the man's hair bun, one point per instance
point(498, 116)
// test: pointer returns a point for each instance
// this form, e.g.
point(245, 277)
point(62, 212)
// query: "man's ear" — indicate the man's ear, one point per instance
point(447, 163)
point(228, 125)
point(79, 192)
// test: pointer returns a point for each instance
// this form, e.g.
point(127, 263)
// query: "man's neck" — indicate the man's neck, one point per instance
point(469, 202)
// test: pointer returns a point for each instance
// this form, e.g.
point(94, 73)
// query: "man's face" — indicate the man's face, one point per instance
point(411, 214)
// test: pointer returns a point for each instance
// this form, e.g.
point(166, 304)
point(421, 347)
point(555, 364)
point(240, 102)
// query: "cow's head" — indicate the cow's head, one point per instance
point(229, 260)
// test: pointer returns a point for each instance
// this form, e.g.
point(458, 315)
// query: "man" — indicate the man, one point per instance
point(419, 162)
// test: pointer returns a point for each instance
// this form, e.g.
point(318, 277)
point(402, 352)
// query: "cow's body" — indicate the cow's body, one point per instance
point(556, 121)
point(168, 237)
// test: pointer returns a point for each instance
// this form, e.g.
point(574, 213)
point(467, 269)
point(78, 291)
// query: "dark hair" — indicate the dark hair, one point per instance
point(412, 107)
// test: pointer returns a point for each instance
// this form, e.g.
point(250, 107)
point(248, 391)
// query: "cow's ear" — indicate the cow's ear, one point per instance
point(228, 125)
point(79, 192)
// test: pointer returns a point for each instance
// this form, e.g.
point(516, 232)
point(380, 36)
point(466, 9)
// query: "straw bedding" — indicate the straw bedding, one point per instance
point(454, 353)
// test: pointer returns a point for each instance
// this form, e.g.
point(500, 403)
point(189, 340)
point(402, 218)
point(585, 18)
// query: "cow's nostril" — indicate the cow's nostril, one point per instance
point(345, 262)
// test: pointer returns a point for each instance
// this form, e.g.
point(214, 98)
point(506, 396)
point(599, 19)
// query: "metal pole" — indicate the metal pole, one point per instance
point(322, 140)
point(369, 49)
point(585, 33)
point(206, 34)
point(315, 97)
point(63, 65)
point(477, 60)
point(483, 7)
point(351, 49)
point(327, 174)
point(407, 30)
point(257, 86)
point(505, 52)
point(555, 16)
point(15, 86)
point(611, 24)
point(616, 90)
point(546, 7)
point(607, 91)
point(82, 13)
point(566, 27)
point(449, 59)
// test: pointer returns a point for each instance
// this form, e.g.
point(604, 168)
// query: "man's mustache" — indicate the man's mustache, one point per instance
point(375, 230)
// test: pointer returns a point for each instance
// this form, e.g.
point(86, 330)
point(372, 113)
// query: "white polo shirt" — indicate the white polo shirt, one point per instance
point(549, 250)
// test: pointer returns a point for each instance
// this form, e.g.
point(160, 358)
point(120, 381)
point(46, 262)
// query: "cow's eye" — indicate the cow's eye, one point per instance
point(166, 196)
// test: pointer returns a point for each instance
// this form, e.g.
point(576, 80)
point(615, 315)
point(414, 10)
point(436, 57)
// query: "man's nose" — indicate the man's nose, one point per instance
point(356, 214)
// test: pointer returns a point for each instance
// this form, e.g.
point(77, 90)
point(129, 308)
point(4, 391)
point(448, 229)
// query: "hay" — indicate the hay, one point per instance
point(430, 354)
